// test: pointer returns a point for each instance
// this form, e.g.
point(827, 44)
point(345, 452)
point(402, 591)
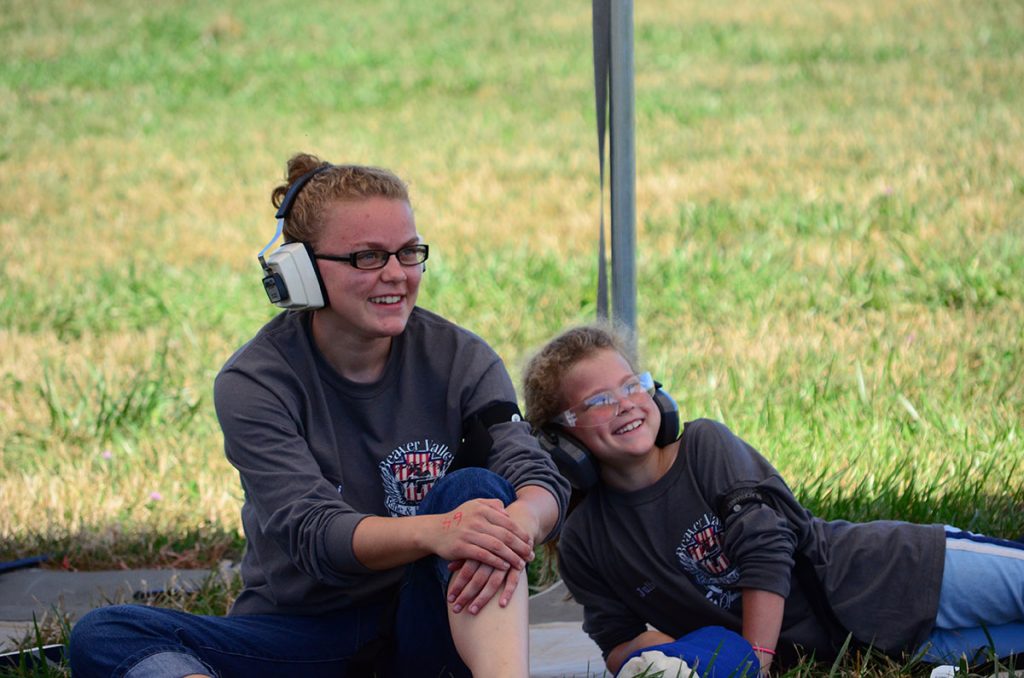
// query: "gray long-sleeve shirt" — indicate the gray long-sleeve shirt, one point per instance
point(317, 453)
point(662, 556)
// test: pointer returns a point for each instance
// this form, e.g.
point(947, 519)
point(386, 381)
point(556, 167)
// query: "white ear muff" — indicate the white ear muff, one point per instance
point(290, 266)
point(290, 275)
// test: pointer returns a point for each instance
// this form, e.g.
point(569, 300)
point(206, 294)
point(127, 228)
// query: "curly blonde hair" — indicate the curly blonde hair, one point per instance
point(545, 372)
point(340, 183)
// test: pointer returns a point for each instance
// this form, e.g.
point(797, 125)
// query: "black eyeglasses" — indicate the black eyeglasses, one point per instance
point(368, 260)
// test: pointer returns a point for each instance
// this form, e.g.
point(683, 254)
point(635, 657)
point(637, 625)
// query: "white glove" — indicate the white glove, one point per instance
point(654, 664)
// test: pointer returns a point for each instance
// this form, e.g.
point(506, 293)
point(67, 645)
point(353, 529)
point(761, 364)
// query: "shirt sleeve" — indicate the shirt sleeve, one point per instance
point(292, 502)
point(759, 537)
point(515, 453)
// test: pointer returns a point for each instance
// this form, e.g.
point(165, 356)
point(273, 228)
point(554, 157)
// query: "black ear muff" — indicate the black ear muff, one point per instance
point(291, 277)
point(670, 430)
point(573, 459)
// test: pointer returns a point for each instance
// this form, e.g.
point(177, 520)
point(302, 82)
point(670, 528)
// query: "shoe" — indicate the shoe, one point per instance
point(654, 664)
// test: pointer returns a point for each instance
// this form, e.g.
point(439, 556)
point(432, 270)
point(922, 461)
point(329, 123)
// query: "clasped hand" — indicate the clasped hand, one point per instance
point(487, 549)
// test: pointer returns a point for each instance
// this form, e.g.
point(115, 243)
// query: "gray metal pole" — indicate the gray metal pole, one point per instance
point(623, 166)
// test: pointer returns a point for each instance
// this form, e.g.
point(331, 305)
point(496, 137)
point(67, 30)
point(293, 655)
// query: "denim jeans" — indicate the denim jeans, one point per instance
point(135, 641)
point(981, 603)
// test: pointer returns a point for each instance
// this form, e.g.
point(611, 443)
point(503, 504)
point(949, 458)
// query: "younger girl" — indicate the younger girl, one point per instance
point(699, 529)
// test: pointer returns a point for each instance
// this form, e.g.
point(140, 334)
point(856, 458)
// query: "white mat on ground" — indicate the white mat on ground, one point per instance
point(558, 646)
point(563, 650)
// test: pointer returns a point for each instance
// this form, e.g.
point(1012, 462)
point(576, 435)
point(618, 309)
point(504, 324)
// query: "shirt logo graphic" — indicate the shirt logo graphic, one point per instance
point(409, 471)
point(701, 556)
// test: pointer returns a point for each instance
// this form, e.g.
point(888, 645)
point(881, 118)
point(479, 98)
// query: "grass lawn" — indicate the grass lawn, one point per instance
point(830, 208)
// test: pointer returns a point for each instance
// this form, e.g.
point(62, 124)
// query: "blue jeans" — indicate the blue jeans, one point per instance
point(981, 604)
point(134, 641)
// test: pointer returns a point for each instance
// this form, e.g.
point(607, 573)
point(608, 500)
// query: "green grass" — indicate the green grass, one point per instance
point(830, 233)
point(215, 594)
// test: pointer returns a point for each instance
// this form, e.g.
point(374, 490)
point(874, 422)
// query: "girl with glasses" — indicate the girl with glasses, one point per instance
point(698, 529)
point(367, 552)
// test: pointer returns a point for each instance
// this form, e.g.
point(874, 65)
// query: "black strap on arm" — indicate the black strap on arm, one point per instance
point(734, 501)
point(475, 446)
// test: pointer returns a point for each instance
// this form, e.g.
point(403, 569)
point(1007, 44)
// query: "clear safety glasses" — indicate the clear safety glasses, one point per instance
point(602, 407)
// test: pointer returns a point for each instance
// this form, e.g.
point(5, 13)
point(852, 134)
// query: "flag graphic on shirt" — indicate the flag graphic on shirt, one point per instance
point(701, 556)
point(409, 472)
point(416, 473)
point(707, 550)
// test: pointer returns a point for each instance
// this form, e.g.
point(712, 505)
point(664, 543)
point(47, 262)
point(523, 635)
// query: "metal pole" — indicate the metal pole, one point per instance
point(623, 166)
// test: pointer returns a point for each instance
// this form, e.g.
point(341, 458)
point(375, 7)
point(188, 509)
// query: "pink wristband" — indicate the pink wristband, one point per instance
point(763, 649)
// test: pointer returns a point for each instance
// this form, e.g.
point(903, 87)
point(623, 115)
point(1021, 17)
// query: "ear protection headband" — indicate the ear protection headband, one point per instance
point(576, 462)
point(290, 274)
